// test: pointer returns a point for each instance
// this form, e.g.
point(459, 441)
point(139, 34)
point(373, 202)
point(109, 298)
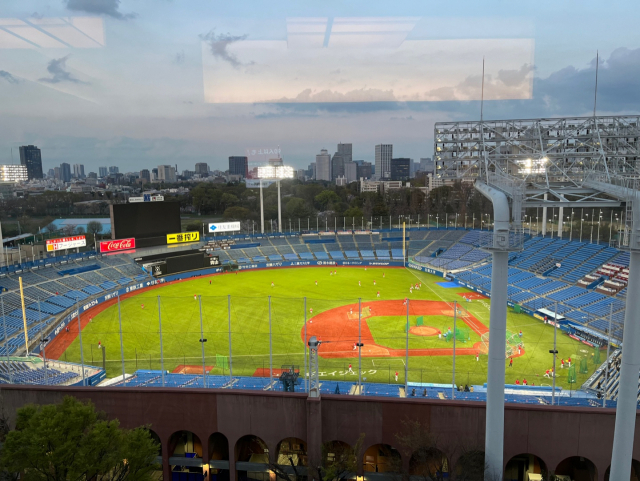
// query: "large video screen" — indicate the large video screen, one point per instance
point(145, 219)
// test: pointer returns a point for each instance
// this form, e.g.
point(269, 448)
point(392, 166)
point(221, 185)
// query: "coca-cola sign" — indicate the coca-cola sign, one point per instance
point(117, 245)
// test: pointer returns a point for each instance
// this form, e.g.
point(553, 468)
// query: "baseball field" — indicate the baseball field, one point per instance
point(266, 315)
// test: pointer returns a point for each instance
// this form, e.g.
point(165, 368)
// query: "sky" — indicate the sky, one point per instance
point(140, 83)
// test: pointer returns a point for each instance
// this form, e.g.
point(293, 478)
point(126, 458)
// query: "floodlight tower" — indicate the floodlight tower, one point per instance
point(314, 382)
point(274, 171)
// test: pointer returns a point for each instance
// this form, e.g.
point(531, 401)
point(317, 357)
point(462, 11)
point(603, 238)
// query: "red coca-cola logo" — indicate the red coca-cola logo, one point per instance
point(117, 245)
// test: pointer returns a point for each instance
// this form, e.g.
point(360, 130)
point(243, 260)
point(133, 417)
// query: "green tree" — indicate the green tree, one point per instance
point(237, 213)
point(326, 198)
point(297, 208)
point(353, 212)
point(72, 441)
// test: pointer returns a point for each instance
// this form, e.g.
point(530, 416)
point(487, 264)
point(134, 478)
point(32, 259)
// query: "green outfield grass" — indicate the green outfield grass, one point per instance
point(249, 309)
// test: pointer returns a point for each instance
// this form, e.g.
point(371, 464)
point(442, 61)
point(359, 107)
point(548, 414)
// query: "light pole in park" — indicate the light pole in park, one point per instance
point(571, 226)
point(274, 171)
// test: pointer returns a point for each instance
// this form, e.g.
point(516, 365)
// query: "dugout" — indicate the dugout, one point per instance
point(160, 265)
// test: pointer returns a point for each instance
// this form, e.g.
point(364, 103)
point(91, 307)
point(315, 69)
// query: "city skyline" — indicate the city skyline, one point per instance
point(109, 86)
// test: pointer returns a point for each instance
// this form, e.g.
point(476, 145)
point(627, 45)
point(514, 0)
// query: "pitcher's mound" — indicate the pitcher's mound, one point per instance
point(424, 331)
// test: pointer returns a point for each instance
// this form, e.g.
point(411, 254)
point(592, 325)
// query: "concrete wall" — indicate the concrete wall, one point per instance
point(552, 434)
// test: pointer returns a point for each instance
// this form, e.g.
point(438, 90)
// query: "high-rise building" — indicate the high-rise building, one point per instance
point(427, 165)
point(337, 166)
point(202, 169)
point(311, 172)
point(31, 157)
point(78, 171)
point(92, 175)
point(351, 172)
point(364, 169)
point(384, 154)
point(145, 176)
point(166, 173)
point(51, 173)
point(56, 173)
point(103, 171)
point(65, 172)
point(346, 151)
point(14, 173)
point(114, 169)
point(400, 169)
point(239, 165)
point(323, 165)
point(154, 175)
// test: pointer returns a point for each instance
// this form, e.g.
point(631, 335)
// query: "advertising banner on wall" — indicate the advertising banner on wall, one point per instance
point(117, 245)
point(183, 237)
point(224, 227)
point(66, 243)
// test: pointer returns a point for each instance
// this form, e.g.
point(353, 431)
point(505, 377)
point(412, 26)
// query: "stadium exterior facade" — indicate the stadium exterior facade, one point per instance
point(553, 434)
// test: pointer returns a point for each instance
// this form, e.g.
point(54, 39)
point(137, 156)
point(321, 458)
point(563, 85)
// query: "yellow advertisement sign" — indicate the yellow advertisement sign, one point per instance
point(183, 237)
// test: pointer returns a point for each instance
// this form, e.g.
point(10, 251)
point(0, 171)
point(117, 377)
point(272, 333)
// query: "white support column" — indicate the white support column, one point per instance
point(261, 209)
point(279, 208)
point(494, 425)
point(544, 219)
point(560, 221)
point(623, 438)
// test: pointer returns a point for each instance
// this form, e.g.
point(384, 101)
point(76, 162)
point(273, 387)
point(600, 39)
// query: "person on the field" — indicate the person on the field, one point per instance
point(383, 275)
point(404, 303)
point(209, 281)
point(477, 356)
point(359, 283)
point(517, 382)
point(396, 376)
point(141, 306)
point(355, 346)
point(316, 283)
point(511, 362)
point(195, 297)
point(569, 361)
point(547, 374)
point(311, 310)
point(411, 290)
point(272, 284)
point(351, 310)
point(99, 345)
point(374, 282)
point(378, 294)
point(350, 370)
point(365, 268)
point(561, 363)
point(524, 382)
point(520, 334)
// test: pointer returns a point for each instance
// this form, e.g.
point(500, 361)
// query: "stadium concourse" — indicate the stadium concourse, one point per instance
point(581, 284)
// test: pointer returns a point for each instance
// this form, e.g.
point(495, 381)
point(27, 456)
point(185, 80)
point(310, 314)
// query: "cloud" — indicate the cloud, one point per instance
point(219, 43)
point(508, 84)
point(104, 7)
point(178, 59)
point(410, 117)
point(57, 69)
point(8, 77)
point(357, 95)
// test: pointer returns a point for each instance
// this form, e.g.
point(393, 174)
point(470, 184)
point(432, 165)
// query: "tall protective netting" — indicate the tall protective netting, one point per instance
point(571, 378)
point(584, 365)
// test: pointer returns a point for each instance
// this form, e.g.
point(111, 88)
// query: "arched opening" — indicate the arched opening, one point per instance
point(429, 463)
point(381, 458)
point(218, 457)
point(292, 452)
point(185, 456)
point(635, 471)
point(470, 466)
point(526, 467)
point(157, 439)
point(252, 458)
point(576, 467)
point(339, 456)
point(157, 474)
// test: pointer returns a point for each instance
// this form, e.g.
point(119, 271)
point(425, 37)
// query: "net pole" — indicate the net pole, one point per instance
point(121, 344)
point(42, 341)
point(359, 344)
point(80, 339)
point(306, 389)
point(606, 372)
point(202, 341)
point(161, 353)
point(270, 346)
point(453, 382)
point(406, 353)
point(555, 350)
point(229, 321)
point(6, 340)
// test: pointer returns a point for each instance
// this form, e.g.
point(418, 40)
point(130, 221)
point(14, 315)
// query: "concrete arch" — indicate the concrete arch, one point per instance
point(635, 471)
point(428, 463)
point(521, 465)
point(292, 451)
point(185, 444)
point(577, 467)
point(218, 447)
point(381, 458)
point(251, 449)
point(157, 439)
